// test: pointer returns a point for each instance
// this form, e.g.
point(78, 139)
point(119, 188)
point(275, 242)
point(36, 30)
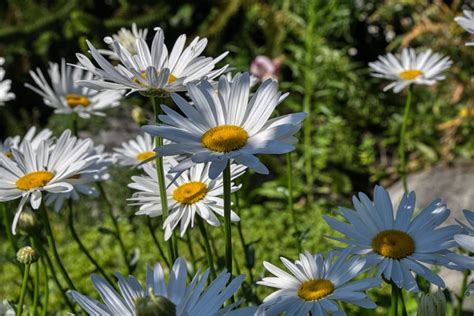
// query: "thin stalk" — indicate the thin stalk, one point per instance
point(46, 288)
point(210, 258)
point(23, 290)
point(394, 302)
point(402, 300)
point(52, 245)
point(172, 248)
point(227, 226)
point(462, 295)
point(190, 249)
point(291, 207)
point(156, 242)
point(36, 283)
point(82, 247)
point(308, 75)
point(117, 234)
point(241, 237)
point(402, 149)
point(50, 266)
point(74, 124)
point(8, 229)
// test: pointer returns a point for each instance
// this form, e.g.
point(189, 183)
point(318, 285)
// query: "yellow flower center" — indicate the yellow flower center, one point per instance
point(145, 155)
point(393, 244)
point(410, 74)
point(9, 154)
point(37, 179)
point(312, 290)
point(75, 100)
point(190, 193)
point(225, 138)
point(171, 79)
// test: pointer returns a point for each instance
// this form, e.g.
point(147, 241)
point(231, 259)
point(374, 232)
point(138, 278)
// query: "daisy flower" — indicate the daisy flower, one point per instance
point(16, 141)
point(316, 284)
point(135, 151)
point(395, 244)
point(467, 23)
point(410, 68)
point(66, 97)
point(5, 85)
point(159, 297)
point(224, 125)
point(189, 194)
point(466, 241)
point(152, 71)
point(127, 38)
point(83, 183)
point(47, 169)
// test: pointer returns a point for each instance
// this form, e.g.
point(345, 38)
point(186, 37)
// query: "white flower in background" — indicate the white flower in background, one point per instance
point(152, 71)
point(66, 97)
point(189, 194)
point(467, 23)
point(135, 151)
point(5, 85)
point(410, 68)
point(46, 169)
point(395, 244)
point(316, 284)
point(16, 141)
point(161, 298)
point(83, 183)
point(225, 125)
point(432, 304)
point(127, 38)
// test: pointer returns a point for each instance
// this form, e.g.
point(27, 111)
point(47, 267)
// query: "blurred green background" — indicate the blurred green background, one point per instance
point(325, 46)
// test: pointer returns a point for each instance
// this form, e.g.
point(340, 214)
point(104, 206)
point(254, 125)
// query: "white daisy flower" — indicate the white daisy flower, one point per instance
point(225, 125)
point(47, 169)
point(467, 240)
point(175, 298)
point(83, 183)
point(66, 97)
point(395, 244)
point(189, 194)
point(135, 151)
point(316, 284)
point(152, 71)
point(16, 141)
point(467, 23)
point(127, 38)
point(5, 85)
point(410, 68)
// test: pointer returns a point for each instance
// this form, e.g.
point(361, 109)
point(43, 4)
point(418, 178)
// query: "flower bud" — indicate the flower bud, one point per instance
point(28, 222)
point(138, 116)
point(27, 255)
point(154, 305)
point(432, 304)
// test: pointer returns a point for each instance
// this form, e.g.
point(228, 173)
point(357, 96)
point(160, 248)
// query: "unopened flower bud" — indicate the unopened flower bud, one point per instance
point(27, 255)
point(154, 305)
point(28, 222)
point(138, 116)
point(432, 304)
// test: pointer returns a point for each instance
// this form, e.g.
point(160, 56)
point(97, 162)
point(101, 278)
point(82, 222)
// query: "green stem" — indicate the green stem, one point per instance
point(162, 184)
point(36, 283)
point(52, 245)
point(227, 226)
point(308, 92)
point(157, 243)
point(242, 239)
point(462, 295)
point(210, 258)
point(8, 229)
point(291, 208)
point(402, 150)
point(189, 243)
point(46, 288)
point(74, 124)
point(402, 300)
point(82, 247)
point(394, 302)
point(23, 290)
point(117, 234)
